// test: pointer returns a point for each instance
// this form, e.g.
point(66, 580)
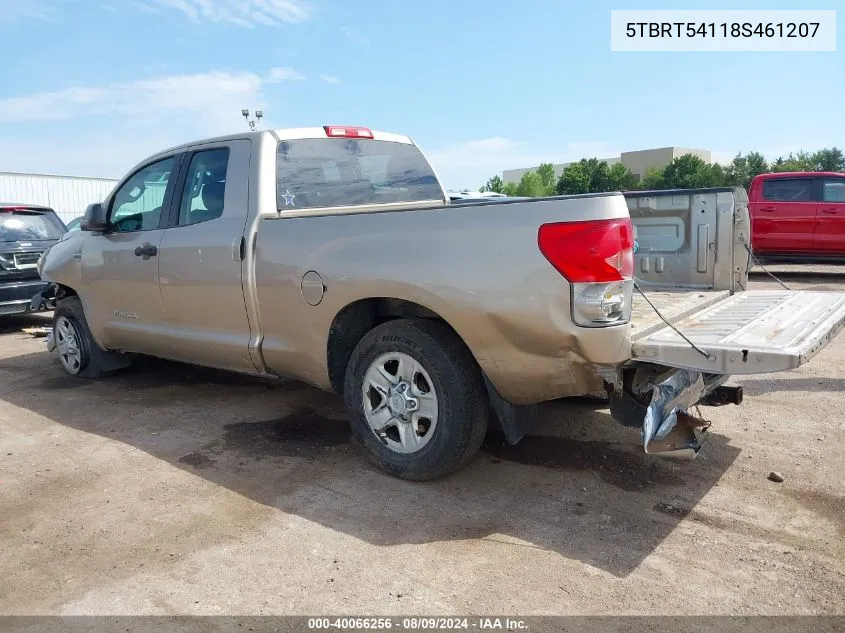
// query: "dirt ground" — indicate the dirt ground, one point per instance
point(175, 490)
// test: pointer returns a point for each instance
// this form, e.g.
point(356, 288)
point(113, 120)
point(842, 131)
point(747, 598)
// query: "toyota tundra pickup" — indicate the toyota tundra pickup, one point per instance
point(333, 255)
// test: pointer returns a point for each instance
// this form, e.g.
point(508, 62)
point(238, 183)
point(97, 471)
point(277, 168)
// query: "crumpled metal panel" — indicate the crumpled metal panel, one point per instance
point(666, 426)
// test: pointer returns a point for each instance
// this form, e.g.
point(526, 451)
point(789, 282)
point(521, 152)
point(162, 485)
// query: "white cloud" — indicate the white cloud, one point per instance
point(196, 94)
point(354, 36)
point(284, 73)
point(149, 8)
point(13, 11)
point(96, 154)
point(330, 79)
point(104, 130)
point(471, 163)
point(244, 13)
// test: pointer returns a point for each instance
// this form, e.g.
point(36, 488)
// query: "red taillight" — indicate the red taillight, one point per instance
point(348, 131)
point(593, 251)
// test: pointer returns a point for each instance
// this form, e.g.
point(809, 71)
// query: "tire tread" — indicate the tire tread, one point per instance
point(447, 360)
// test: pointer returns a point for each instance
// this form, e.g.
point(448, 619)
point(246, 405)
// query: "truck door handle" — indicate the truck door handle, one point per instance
point(768, 209)
point(832, 211)
point(146, 251)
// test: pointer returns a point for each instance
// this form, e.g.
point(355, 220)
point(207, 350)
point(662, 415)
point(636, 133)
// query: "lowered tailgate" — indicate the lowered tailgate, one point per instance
point(751, 332)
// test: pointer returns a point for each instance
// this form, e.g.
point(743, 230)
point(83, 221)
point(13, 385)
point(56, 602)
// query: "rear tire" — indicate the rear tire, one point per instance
point(78, 352)
point(416, 399)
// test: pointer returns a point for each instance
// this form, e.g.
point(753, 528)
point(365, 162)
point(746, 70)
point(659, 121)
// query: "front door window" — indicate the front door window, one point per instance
point(137, 204)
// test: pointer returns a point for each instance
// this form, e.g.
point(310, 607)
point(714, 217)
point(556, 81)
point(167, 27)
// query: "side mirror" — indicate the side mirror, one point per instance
point(95, 218)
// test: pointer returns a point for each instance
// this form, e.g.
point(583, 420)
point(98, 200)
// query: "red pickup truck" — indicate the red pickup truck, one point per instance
point(798, 214)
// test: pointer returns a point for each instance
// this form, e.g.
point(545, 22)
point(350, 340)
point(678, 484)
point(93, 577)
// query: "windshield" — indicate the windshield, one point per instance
point(21, 225)
point(74, 225)
point(346, 172)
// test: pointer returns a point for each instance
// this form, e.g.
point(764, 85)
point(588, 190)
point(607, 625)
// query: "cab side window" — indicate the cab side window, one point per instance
point(205, 187)
point(788, 190)
point(833, 191)
point(137, 204)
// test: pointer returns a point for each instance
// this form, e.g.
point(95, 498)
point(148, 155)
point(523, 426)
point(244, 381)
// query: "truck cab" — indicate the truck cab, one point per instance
point(798, 214)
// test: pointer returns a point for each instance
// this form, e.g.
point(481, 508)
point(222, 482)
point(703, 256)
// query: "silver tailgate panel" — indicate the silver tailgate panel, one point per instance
point(673, 305)
point(752, 332)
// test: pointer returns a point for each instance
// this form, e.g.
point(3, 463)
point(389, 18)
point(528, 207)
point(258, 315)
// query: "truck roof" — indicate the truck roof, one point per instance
point(799, 174)
point(286, 134)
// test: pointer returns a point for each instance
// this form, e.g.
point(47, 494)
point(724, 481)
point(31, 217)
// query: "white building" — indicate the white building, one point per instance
point(638, 161)
point(66, 195)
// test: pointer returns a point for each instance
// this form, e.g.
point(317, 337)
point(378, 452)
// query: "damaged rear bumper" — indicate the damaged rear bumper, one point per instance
point(657, 400)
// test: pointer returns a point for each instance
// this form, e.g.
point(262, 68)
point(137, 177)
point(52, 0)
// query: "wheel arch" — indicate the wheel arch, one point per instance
point(63, 292)
point(50, 295)
point(100, 361)
point(355, 319)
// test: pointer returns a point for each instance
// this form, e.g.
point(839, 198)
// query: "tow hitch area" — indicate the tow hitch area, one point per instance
point(721, 396)
point(656, 399)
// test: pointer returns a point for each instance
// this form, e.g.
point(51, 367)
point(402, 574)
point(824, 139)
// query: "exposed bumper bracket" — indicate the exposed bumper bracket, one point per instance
point(657, 399)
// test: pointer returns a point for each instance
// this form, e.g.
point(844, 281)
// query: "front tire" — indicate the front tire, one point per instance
point(416, 399)
point(78, 352)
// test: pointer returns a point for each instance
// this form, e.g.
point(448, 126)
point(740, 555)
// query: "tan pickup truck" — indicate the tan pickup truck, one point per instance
point(334, 256)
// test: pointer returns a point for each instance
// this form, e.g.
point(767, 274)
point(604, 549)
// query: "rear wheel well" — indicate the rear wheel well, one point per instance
point(355, 320)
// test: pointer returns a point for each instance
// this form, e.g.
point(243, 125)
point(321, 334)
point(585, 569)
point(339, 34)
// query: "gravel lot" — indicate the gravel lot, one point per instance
point(175, 490)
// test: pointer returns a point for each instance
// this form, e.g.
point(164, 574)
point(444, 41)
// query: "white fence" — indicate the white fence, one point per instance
point(66, 195)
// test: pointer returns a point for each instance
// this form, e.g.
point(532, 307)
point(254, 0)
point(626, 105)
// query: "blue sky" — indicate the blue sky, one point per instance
point(90, 87)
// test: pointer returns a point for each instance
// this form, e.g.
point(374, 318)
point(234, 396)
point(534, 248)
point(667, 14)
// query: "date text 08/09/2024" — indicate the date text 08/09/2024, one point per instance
point(418, 623)
point(722, 29)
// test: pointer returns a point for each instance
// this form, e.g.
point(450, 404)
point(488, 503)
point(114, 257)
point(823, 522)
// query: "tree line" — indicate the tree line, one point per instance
point(591, 175)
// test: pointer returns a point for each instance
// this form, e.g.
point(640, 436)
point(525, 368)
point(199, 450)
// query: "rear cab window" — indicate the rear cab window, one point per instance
point(19, 224)
point(342, 172)
point(788, 190)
